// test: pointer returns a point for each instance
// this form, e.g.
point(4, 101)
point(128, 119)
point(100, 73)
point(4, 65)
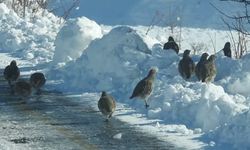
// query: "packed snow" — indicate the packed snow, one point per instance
point(74, 37)
point(31, 39)
point(99, 58)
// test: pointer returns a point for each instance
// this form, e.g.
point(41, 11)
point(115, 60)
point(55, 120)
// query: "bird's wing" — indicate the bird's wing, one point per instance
point(191, 65)
point(139, 88)
point(6, 71)
point(180, 67)
point(106, 104)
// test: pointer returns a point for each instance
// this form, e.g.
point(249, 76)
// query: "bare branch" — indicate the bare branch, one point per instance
point(213, 42)
point(67, 12)
point(228, 16)
point(239, 1)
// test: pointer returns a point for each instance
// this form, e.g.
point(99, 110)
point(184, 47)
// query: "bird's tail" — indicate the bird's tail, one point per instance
point(131, 97)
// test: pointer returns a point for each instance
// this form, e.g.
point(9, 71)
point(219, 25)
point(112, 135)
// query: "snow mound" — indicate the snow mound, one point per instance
point(120, 59)
point(31, 38)
point(74, 37)
point(110, 63)
point(234, 75)
point(197, 105)
point(235, 134)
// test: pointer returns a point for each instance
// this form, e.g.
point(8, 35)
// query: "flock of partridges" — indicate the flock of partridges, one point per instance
point(204, 70)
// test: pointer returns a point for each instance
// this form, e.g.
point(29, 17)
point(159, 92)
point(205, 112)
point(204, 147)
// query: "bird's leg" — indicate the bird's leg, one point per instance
point(146, 103)
point(38, 92)
point(11, 87)
point(110, 115)
point(107, 119)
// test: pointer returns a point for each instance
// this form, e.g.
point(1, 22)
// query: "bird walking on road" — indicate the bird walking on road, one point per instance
point(106, 105)
point(11, 73)
point(144, 88)
point(37, 80)
point(186, 65)
point(208, 72)
point(200, 65)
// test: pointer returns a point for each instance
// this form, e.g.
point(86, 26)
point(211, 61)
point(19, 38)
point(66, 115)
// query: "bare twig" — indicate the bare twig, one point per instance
point(213, 42)
point(67, 12)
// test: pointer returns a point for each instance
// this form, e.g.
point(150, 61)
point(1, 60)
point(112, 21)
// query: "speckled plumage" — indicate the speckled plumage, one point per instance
point(199, 65)
point(208, 71)
point(145, 87)
point(186, 65)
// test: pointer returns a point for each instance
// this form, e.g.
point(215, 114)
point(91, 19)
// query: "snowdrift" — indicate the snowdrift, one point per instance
point(121, 58)
point(31, 38)
point(74, 37)
point(233, 135)
point(109, 63)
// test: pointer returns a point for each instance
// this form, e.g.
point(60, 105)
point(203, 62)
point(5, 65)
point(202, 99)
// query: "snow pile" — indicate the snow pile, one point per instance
point(112, 62)
point(74, 37)
point(197, 105)
point(237, 80)
point(121, 58)
point(240, 85)
point(31, 38)
point(234, 75)
point(235, 135)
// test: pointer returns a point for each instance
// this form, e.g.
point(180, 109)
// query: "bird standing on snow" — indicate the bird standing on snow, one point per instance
point(37, 80)
point(208, 71)
point(22, 89)
point(107, 105)
point(171, 44)
point(186, 65)
point(145, 87)
point(200, 64)
point(11, 73)
point(227, 49)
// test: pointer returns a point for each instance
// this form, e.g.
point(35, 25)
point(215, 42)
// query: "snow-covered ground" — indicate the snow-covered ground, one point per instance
point(86, 57)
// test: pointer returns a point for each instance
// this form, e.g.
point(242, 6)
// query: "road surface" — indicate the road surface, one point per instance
point(57, 121)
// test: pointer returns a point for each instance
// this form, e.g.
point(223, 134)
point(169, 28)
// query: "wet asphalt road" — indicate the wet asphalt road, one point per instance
point(59, 121)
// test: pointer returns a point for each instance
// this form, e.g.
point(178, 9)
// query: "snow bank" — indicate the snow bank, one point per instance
point(121, 58)
point(31, 38)
point(197, 105)
point(234, 75)
point(74, 37)
point(233, 135)
point(109, 63)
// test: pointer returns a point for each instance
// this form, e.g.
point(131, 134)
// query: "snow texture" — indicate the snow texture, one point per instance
point(31, 39)
point(74, 37)
point(115, 59)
